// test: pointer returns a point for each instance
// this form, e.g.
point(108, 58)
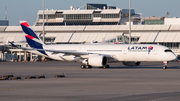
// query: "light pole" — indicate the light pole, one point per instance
point(43, 30)
point(43, 22)
point(129, 21)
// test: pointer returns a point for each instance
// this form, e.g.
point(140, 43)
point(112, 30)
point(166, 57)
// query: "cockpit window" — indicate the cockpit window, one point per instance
point(167, 50)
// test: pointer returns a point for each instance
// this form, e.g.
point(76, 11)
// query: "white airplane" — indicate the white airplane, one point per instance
point(98, 55)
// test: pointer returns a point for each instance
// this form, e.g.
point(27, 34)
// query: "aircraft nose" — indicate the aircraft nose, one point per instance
point(174, 57)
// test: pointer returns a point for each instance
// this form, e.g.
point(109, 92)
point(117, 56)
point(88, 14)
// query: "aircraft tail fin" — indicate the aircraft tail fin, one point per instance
point(32, 39)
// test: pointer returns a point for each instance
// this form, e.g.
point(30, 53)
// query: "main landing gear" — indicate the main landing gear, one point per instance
point(106, 66)
point(86, 66)
point(83, 66)
point(165, 65)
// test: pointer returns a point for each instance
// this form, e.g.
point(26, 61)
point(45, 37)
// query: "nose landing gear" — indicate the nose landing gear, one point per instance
point(165, 65)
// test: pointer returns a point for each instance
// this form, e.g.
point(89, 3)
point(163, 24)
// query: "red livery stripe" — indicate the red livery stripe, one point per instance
point(25, 24)
point(30, 37)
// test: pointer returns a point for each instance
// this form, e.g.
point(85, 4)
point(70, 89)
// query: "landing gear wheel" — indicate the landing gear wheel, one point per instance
point(88, 67)
point(106, 66)
point(164, 67)
point(82, 66)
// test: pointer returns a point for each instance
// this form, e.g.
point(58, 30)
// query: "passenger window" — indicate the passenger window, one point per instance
point(167, 50)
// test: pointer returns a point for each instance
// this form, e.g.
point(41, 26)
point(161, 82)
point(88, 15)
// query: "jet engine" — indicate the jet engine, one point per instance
point(97, 61)
point(131, 63)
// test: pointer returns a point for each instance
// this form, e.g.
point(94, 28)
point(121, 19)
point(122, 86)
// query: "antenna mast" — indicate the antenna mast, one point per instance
point(43, 22)
point(5, 13)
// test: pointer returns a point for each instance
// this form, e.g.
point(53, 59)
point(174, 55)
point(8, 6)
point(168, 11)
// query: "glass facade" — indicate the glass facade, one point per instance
point(107, 15)
point(135, 39)
point(54, 24)
point(59, 15)
point(78, 17)
point(91, 7)
point(39, 24)
point(51, 16)
point(171, 45)
point(152, 20)
point(160, 22)
point(41, 16)
point(126, 15)
point(76, 23)
point(95, 6)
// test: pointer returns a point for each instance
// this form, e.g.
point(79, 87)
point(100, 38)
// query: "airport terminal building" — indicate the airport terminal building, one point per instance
point(96, 24)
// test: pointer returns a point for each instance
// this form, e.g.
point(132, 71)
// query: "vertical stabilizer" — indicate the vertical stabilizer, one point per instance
point(32, 39)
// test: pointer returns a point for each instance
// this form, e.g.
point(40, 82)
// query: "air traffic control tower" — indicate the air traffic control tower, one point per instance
point(92, 14)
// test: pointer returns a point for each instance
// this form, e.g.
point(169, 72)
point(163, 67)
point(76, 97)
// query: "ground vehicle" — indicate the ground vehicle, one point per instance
point(40, 77)
point(59, 76)
point(15, 78)
point(4, 78)
point(34, 77)
point(8, 76)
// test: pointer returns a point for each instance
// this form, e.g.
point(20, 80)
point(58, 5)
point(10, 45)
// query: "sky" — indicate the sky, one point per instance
point(28, 9)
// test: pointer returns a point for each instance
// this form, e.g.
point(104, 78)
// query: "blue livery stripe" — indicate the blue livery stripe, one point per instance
point(29, 31)
point(36, 45)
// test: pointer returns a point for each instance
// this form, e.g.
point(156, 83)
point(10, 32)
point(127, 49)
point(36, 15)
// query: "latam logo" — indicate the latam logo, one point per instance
point(150, 48)
point(140, 49)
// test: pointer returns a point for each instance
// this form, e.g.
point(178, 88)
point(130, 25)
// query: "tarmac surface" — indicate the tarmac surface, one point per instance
point(147, 82)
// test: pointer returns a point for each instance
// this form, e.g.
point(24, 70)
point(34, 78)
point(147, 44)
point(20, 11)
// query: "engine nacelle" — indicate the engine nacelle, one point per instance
point(131, 63)
point(97, 61)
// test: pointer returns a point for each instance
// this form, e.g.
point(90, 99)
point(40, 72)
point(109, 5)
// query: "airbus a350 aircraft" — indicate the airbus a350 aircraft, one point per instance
point(98, 55)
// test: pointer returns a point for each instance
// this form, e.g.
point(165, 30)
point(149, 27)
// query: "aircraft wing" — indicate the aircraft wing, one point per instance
point(66, 52)
point(60, 51)
point(76, 53)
